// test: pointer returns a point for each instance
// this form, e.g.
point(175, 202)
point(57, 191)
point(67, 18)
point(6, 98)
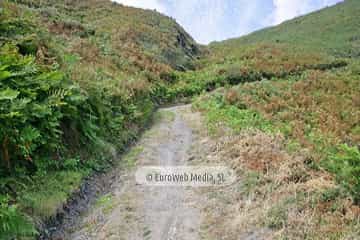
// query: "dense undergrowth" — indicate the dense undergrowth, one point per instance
point(74, 92)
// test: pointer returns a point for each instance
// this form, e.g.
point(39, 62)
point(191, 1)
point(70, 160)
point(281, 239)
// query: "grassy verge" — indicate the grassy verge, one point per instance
point(286, 161)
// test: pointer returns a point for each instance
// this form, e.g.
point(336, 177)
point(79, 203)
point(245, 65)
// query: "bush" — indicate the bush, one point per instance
point(12, 223)
point(33, 101)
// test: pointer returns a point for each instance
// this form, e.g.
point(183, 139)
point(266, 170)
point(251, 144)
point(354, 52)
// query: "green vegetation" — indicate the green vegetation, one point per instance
point(46, 193)
point(324, 40)
point(316, 113)
point(316, 110)
point(345, 163)
point(106, 203)
point(75, 90)
point(333, 30)
point(217, 111)
point(32, 109)
point(277, 216)
point(300, 80)
point(164, 115)
point(130, 158)
point(80, 79)
point(13, 223)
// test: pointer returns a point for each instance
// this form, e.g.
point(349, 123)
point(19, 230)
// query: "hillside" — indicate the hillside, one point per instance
point(334, 30)
point(320, 40)
point(79, 80)
point(138, 36)
point(297, 93)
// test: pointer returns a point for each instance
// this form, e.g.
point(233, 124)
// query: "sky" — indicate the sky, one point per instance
point(216, 20)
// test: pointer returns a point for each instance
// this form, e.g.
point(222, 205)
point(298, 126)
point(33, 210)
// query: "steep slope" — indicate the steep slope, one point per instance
point(78, 81)
point(334, 30)
point(291, 125)
point(321, 40)
point(111, 28)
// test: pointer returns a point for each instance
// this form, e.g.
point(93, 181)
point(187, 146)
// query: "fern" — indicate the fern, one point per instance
point(12, 223)
point(33, 103)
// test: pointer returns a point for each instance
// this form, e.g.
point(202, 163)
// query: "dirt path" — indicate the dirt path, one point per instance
point(132, 211)
point(260, 204)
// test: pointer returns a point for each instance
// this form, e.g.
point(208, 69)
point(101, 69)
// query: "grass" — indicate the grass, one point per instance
point(46, 195)
point(295, 134)
point(313, 112)
point(130, 158)
point(164, 115)
point(295, 80)
point(277, 216)
point(249, 182)
point(332, 30)
point(278, 190)
point(306, 195)
point(106, 203)
point(248, 63)
point(217, 111)
point(298, 81)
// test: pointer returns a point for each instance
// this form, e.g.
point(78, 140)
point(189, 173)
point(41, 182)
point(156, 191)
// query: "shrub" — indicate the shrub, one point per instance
point(33, 102)
point(12, 223)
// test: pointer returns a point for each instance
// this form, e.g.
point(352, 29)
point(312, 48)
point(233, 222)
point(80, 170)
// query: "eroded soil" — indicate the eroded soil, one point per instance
point(132, 211)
